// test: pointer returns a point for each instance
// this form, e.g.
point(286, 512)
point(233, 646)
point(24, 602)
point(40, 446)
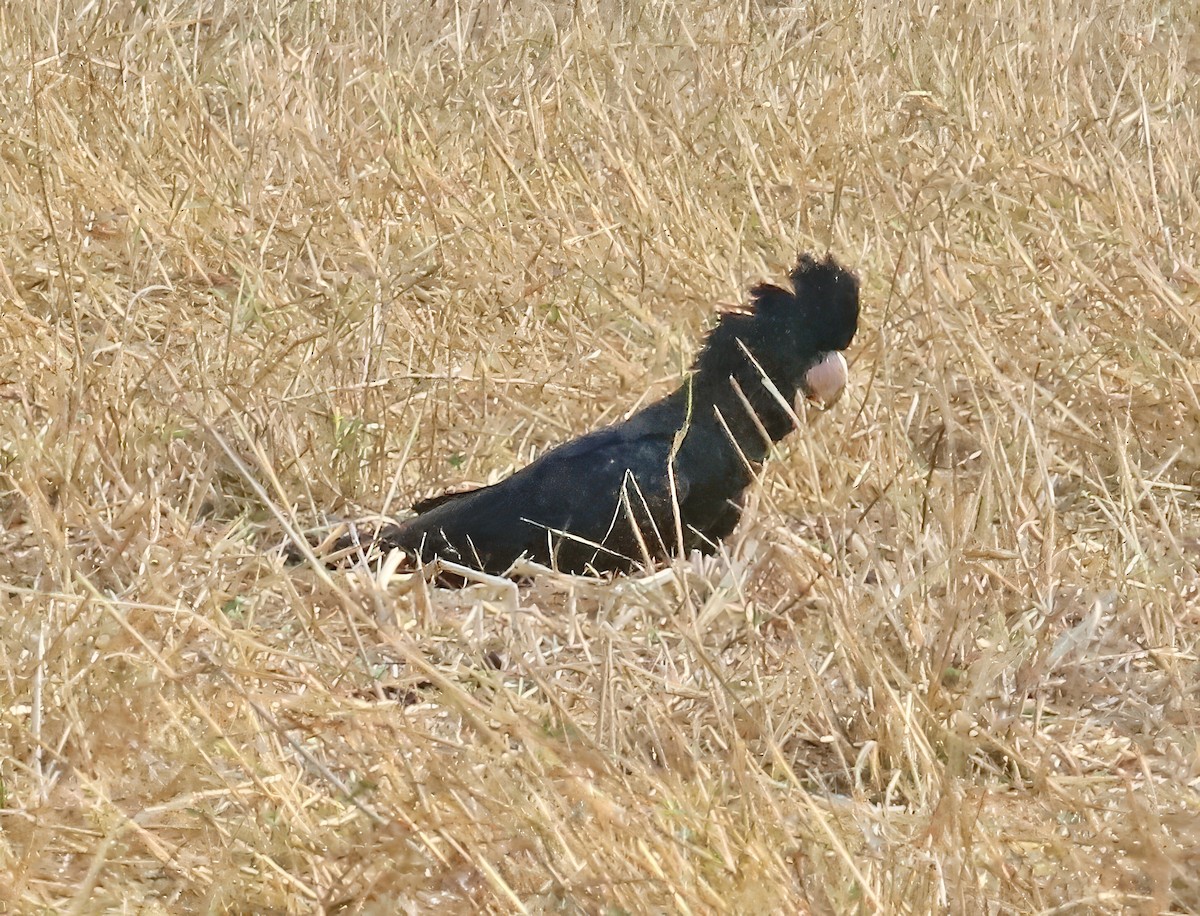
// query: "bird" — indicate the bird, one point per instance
point(673, 476)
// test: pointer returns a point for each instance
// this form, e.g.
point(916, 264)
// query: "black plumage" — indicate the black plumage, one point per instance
point(607, 500)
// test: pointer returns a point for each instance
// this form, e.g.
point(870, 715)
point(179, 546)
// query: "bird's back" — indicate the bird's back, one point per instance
point(571, 508)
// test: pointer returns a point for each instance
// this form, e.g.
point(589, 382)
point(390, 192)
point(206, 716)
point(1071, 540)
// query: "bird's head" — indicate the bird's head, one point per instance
point(799, 333)
point(794, 337)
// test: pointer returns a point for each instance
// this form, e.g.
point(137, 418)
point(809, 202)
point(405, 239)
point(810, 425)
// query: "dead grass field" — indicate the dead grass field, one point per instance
point(306, 261)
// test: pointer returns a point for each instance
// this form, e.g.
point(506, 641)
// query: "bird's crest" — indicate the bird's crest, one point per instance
point(824, 295)
point(821, 310)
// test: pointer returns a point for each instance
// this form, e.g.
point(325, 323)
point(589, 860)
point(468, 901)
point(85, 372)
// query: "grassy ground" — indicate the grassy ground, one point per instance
point(292, 262)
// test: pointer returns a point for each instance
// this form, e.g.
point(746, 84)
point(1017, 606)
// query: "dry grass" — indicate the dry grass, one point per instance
point(322, 258)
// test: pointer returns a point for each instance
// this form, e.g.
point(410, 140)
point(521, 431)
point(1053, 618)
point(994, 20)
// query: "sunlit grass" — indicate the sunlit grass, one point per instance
point(267, 269)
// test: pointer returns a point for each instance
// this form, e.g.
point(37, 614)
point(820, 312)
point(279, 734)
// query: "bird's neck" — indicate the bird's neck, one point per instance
point(725, 406)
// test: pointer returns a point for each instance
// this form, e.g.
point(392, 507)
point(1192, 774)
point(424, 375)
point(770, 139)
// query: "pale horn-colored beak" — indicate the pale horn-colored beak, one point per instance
point(825, 381)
